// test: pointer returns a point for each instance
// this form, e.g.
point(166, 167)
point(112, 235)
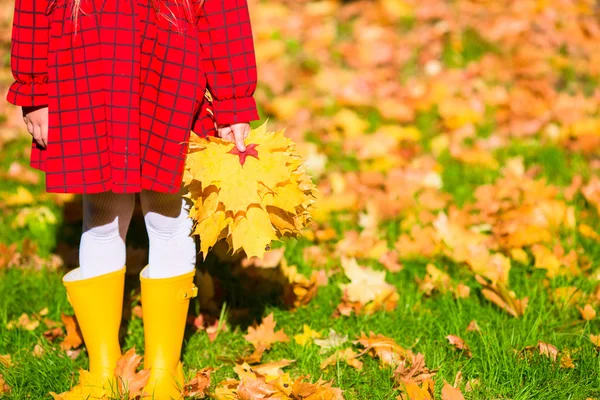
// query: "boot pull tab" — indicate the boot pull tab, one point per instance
point(189, 293)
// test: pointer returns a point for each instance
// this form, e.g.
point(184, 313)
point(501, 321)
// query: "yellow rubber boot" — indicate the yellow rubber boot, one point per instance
point(98, 304)
point(165, 303)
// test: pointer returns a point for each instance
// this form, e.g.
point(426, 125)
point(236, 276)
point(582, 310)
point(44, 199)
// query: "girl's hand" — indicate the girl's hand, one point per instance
point(235, 133)
point(36, 119)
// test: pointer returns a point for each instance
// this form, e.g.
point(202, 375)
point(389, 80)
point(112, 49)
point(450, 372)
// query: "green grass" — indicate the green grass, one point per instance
point(419, 321)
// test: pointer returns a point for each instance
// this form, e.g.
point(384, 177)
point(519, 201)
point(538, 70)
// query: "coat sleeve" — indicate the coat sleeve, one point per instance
point(228, 59)
point(29, 54)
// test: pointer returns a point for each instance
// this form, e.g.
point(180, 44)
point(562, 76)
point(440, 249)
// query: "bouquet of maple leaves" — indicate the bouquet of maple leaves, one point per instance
point(249, 199)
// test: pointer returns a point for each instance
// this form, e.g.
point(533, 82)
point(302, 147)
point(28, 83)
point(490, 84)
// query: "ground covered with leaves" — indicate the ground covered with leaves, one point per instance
point(454, 251)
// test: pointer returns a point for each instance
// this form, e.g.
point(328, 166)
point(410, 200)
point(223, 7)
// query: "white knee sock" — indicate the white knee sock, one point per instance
point(106, 218)
point(172, 249)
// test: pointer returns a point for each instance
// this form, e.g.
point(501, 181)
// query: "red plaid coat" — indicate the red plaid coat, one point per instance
point(124, 84)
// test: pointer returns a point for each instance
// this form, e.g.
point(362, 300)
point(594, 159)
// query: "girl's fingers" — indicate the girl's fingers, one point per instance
point(37, 135)
point(239, 136)
point(45, 134)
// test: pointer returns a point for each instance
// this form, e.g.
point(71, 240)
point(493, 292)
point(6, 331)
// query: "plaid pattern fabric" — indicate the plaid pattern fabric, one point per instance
point(124, 85)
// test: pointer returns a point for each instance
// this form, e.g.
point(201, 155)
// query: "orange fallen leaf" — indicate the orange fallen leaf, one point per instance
point(38, 350)
point(256, 355)
point(5, 360)
point(449, 392)
point(4, 388)
point(199, 384)
point(254, 385)
point(24, 322)
point(500, 295)
point(265, 333)
point(320, 390)
point(595, 339)
point(460, 344)
point(390, 261)
point(473, 326)
point(587, 312)
point(53, 334)
point(73, 339)
point(413, 369)
point(566, 361)
point(130, 381)
point(388, 351)
point(347, 355)
point(413, 391)
point(548, 350)
point(462, 291)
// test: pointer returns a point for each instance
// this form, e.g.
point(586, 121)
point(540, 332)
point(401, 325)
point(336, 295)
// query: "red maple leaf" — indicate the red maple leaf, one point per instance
point(250, 151)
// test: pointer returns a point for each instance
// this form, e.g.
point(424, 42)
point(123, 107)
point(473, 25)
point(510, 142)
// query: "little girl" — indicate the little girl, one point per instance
point(110, 90)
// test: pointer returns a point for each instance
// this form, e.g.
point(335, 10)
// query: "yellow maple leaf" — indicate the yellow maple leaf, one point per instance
point(250, 199)
point(306, 336)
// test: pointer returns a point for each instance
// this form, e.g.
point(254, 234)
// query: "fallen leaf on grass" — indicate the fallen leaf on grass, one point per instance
point(53, 334)
point(367, 292)
point(473, 326)
point(203, 322)
point(5, 360)
point(435, 280)
point(306, 336)
point(471, 385)
point(460, 344)
point(548, 350)
point(255, 357)
point(18, 172)
point(504, 298)
point(299, 290)
point(332, 341)
point(38, 350)
point(365, 283)
point(385, 348)
point(462, 291)
point(321, 390)
point(24, 322)
point(4, 388)
point(390, 261)
point(199, 384)
point(255, 385)
point(413, 391)
point(73, 339)
point(265, 333)
point(587, 312)
point(566, 361)
point(413, 369)
point(450, 392)
point(346, 355)
point(588, 232)
point(595, 339)
point(131, 382)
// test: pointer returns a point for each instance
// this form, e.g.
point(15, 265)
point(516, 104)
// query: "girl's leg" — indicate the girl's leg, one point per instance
point(95, 289)
point(172, 249)
point(167, 287)
point(106, 218)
